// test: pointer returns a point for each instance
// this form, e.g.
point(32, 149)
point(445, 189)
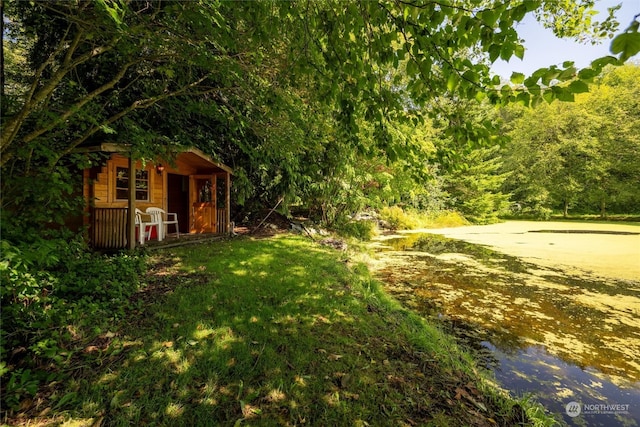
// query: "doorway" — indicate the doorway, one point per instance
point(178, 199)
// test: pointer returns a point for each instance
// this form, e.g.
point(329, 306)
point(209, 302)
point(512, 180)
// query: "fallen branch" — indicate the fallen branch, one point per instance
point(269, 214)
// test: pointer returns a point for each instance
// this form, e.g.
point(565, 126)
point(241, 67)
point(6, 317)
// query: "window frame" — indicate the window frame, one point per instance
point(119, 188)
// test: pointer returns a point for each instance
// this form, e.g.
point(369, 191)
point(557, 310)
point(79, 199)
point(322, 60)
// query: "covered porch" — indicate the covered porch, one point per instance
point(192, 186)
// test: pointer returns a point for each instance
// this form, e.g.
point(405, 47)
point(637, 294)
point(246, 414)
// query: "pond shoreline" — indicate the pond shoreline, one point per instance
point(555, 330)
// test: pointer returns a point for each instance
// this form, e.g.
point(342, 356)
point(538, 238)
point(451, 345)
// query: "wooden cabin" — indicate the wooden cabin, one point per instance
point(193, 186)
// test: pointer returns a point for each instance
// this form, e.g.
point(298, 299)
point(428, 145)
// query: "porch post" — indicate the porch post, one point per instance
point(227, 193)
point(131, 222)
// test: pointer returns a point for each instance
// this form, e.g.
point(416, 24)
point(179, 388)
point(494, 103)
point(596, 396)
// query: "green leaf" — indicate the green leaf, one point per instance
point(563, 94)
point(524, 98)
point(517, 78)
point(471, 76)
point(626, 44)
point(578, 86)
point(531, 81)
point(451, 82)
point(519, 51)
point(567, 74)
point(494, 52)
point(519, 12)
point(548, 96)
point(586, 74)
point(412, 68)
point(550, 75)
point(489, 17)
point(600, 63)
point(507, 51)
point(537, 100)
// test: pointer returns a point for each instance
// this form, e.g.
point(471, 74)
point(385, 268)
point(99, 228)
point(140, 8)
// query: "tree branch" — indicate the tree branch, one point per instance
point(35, 97)
point(78, 105)
point(136, 105)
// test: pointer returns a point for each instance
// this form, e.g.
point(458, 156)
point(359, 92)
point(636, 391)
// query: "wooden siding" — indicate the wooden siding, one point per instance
point(104, 192)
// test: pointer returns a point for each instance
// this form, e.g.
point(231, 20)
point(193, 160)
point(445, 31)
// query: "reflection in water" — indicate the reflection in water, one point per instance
point(563, 338)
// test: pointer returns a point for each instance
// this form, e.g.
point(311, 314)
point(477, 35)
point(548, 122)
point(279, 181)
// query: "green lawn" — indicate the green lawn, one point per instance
point(276, 331)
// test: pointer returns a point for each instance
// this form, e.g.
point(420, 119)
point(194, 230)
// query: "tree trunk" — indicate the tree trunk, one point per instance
point(131, 223)
point(603, 209)
point(2, 51)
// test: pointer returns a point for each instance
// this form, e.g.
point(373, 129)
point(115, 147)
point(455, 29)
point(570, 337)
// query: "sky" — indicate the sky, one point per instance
point(543, 49)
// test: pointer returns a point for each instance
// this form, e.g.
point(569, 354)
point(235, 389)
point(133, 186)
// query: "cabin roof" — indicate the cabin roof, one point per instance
point(191, 155)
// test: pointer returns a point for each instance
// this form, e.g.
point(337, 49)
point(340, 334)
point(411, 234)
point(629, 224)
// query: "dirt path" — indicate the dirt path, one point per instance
point(608, 250)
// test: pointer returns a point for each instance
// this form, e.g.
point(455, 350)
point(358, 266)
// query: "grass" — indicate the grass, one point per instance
point(265, 332)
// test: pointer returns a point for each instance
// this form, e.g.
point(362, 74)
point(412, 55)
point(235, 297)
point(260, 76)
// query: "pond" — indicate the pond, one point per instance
point(566, 336)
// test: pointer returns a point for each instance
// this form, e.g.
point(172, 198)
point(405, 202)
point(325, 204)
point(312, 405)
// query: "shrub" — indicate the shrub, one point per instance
point(47, 287)
point(398, 219)
point(361, 230)
point(100, 278)
point(443, 219)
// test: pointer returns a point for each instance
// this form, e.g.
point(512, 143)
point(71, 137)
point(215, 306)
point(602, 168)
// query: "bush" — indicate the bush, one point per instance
point(361, 230)
point(101, 278)
point(444, 219)
point(397, 219)
point(46, 288)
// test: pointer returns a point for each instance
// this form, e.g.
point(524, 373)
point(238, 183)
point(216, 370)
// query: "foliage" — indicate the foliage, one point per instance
point(444, 219)
point(49, 288)
point(101, 278)
point(362, 230)
point(409, 219)
point(578, 156)
point(475, 188)
point(37, 203)
point(285, 92)
point(397, 218)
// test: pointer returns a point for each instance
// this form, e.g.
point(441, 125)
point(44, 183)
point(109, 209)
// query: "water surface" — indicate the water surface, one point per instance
point(563, 334)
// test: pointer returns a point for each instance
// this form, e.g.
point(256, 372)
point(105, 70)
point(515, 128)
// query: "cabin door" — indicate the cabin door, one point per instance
point(202, 200)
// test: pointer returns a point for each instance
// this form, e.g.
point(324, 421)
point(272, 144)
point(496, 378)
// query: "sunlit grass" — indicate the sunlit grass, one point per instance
point(280, 332)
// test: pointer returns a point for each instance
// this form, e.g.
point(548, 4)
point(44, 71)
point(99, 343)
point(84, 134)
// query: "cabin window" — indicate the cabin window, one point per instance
point(122, 184)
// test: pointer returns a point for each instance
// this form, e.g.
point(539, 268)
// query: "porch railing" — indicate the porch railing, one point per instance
point(109, 228)
point(221, 221)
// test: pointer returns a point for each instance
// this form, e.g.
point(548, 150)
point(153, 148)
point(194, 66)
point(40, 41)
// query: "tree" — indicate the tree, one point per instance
point(255, 80)
point(614, 100)
point(578, 155)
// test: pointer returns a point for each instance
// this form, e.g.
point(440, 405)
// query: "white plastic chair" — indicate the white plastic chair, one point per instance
point(146, 221)
point(166, 219)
